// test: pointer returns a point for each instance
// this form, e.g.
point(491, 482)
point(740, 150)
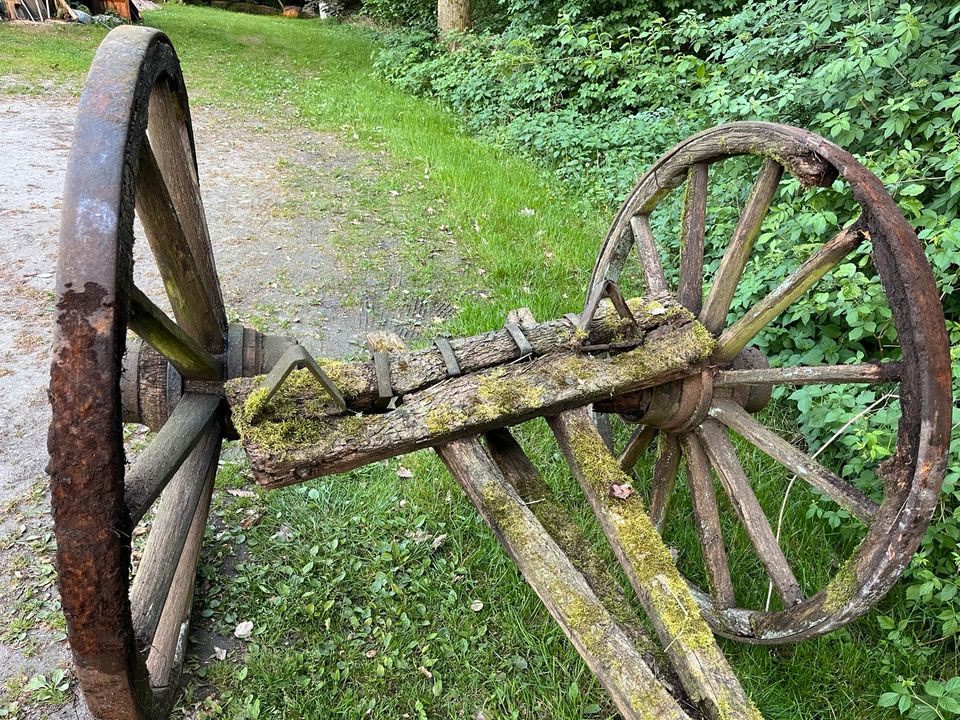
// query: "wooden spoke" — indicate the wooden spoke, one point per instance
point(736, 337)
point(638, 442)
point(191, 418)
point(664, 480)
point(692, 233)
point(649, 255)
point(170, 639)
point(660, 588)
point(704, 500)
point(169, 534)
point(602, 421)
point(811, 375)
point(724, 458)
point(167, 338)
point(564, 592)
point(718, 301)
point(800, 464)
point(172, 143)
point(179, 269)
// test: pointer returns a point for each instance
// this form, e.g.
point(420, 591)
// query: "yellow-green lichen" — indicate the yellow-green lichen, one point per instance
point(570, 369)
point(499, 394)
point(385, 342)
point(642, 546)
point(443, 420)
point(842, 588)
point(301, 412)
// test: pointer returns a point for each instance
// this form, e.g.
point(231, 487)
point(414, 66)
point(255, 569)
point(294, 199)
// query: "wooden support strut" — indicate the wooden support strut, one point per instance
point(662, 591)
point(563, 590)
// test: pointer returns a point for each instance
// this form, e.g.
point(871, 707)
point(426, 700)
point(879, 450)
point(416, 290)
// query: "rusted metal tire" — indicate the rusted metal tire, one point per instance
point(697, 416)
point(134, 85)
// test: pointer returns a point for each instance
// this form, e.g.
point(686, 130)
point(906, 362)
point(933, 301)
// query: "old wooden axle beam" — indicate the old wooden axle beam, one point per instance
point(303, 435)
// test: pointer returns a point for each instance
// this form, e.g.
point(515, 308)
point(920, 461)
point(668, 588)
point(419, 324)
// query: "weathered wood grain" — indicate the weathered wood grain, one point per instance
point(639, 441)
point(802, 465)
point(649, 255)
point(692, 233)
point(664, 480)
point(175, 513)
point(171, 138)
point(186, 288)
point(811, 375)
point(661, 590)
point(722, 454)
point(170, 639)
point(166, 337)
point(144, 482)
point(707, 515)
point(304, 441)
point(724, 286)
point(736, 337)
point(584, 619)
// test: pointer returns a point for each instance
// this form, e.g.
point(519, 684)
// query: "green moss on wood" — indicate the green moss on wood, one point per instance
point(293, 416)
point(498, 395)
point(842, 588)
point(641, 544)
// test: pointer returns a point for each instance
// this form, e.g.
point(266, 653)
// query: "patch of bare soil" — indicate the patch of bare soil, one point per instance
point(278, 272)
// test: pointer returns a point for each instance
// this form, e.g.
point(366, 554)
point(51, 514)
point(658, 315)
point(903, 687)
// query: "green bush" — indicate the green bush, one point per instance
point(596, 91)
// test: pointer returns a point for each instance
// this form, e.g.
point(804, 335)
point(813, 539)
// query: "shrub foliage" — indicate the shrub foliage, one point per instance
point(598, 90)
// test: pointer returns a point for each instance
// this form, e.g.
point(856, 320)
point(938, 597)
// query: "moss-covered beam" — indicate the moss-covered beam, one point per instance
point(295, 438)
point(411, 371)
point(687, 639)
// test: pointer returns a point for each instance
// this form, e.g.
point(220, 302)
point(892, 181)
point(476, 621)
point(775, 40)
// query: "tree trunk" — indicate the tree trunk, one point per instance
point(453, 15)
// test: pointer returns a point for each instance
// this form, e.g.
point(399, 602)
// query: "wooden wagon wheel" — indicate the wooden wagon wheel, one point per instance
point(694, 417)
point(133, 153)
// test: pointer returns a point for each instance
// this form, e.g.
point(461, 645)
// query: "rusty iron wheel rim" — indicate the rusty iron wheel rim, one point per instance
point(85, 440)
point(914, 474)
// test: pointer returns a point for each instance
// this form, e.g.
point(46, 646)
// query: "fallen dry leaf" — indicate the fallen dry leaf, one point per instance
point(219, 653)
point(403, 472)
point(243, 630)
point(250, 520)
point(371, 654)
point(476, 606)
point(438, 541)
point(426, 673)
point(621, 492)
point(236, 492)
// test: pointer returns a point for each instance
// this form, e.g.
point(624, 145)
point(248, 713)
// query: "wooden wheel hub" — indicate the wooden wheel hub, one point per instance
point(683, 404)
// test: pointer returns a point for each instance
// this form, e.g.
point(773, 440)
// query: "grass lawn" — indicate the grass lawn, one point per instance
point(376, 595)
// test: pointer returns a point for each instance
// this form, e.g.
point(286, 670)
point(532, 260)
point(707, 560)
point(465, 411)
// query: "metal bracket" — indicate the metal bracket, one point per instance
point(449, 357)
point(381, 366)
point(609, 290)
point(516, 334)
point(612, 291)
point(294, 358)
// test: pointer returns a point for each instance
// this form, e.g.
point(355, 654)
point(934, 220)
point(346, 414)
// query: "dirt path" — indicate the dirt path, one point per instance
point(278, 272)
